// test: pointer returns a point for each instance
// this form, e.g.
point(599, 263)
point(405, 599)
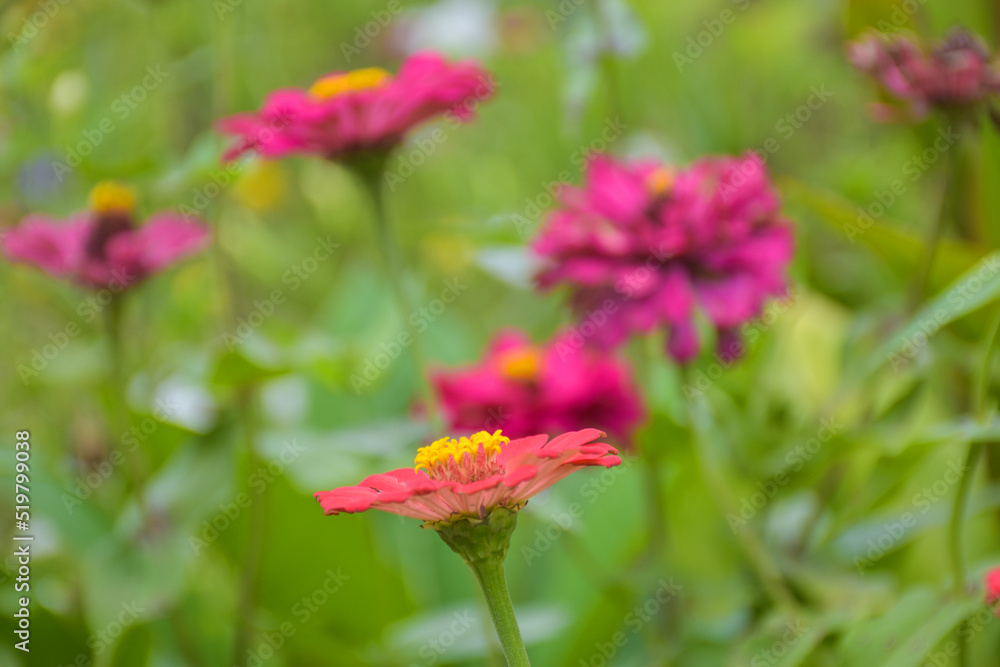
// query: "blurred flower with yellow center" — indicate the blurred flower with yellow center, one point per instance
point(358, 116)
point(345, 82)
point(660, 181)
point(106, 246)
point(112, 197)
point(521, 364)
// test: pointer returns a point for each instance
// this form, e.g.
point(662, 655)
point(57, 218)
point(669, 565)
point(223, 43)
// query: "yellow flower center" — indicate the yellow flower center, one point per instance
point(112, 197)
point(464, 460)
point(521, 364)
point(345, 82)
point(660, 180)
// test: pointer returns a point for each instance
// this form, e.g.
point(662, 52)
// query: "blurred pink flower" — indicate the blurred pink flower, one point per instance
point(993, 587)
point(527, 389)
point(956, 73)
point(103, 248)
point(470, 477)
point(346, 114)
point(643, 245)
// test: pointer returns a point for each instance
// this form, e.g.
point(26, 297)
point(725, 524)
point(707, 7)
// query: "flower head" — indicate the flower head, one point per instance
point(957, 73)
point(102, 247)
point(530, 389)
point(993, 587)
point(349, 114)
point(468, 478)
point(642, 245)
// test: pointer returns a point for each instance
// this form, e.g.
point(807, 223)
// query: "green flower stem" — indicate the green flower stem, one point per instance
point(254, 549)
point(923, 269)
point(957, 522)
point(651, 458)
point(483, 544)
point(489, 573)
point(231, 293)
point(981, 406)
point(983, 414)
point(958, 515)
point(609, 61)
point(656, 500)
point(371, 174)
point(231, 289)
point(113, 322)
point(955, 531)
point(760, 559)
point(609, 67)
point(767, 570)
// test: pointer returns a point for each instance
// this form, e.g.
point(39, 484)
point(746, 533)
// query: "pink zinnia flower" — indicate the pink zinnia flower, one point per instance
point(346, 114)
point(455, 480)
point(103, 248)
point(643, 245)
point(528, 389)
point(954, 74)
point(993, 587)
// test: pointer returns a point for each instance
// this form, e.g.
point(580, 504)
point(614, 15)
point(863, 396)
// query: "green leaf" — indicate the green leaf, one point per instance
point(904, 634)
point(134, 648)
point(899, 249)
point(976, 288)
point(942, 621)
point(788, 642)
point(234, 368)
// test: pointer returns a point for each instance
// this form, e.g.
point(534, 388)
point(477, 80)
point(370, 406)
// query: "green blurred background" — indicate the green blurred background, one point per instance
point(372, 589)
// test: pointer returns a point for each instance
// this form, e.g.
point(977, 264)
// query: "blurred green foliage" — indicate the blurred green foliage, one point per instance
point(374, 589)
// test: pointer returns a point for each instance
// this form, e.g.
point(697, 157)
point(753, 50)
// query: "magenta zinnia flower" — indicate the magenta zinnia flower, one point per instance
point(528, 389)
point(642, 246)
point(345, 114)
point(456, 480)
point(103, 247)
point(958, 73)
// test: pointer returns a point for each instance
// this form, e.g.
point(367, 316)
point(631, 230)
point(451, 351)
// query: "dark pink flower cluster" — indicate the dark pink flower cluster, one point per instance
point(957, 73)
point(643, 246)
point(368, 110)
point(526, 389)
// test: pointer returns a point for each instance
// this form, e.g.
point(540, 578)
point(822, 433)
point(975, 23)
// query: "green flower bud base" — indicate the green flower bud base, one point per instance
point(483, 544)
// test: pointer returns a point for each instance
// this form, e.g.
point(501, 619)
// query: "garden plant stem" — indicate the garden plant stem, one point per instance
point(490, 575)
point(922, 275)
point(253, 552)
point(372, 178)
point(232, 290)
point(957, 523)
point(651, 456)
point(982, 415)
point(766, 569)
point(113, 324)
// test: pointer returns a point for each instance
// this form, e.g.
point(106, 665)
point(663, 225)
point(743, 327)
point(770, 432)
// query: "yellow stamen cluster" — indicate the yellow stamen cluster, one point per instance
point(359, 79)
point(440, 453)
point(521, 364)
point(112, 197)
point(660, 181)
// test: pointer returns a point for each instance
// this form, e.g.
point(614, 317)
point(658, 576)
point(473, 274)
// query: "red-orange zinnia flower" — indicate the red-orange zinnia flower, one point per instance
point(469, 477)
